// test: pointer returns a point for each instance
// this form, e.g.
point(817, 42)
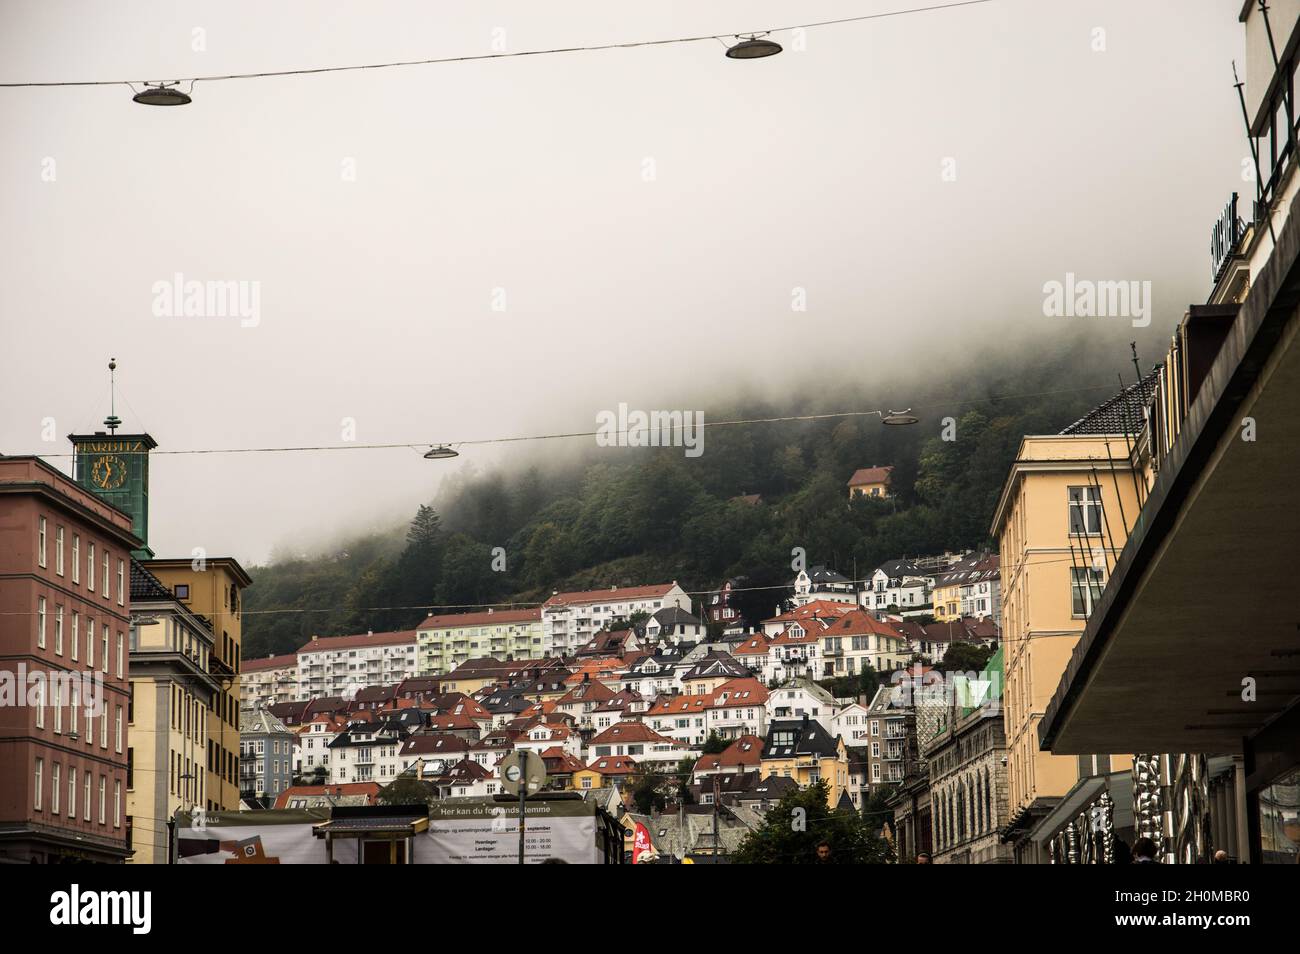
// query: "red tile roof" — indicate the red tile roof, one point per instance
point(489, 618)
point(870, 475)
point(268, 662)
point(614, 765)
point(817, 609)
point(320, 644)
point(623, 733)
point(745, 752)
point(612, 595)
point(755, 644)
point(860, 622)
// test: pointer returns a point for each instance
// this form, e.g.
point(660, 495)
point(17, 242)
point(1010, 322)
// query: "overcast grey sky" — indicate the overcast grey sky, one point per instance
point(819, 169)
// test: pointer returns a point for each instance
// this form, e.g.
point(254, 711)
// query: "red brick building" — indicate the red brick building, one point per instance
point(64, 699)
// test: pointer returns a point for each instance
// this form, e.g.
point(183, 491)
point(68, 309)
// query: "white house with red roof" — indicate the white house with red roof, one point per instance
point(343, 665)
point(639, 742)
point(580, 702)
point(570, 620)
point(819, 610)
point(738, 708)
point(311, 747)
point(543, 735)
point(856, 641)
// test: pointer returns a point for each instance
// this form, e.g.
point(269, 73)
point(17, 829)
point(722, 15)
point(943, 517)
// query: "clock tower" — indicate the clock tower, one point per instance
point(116, 467)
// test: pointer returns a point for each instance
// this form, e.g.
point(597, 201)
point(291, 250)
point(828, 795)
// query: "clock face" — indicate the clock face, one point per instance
point(108, 472)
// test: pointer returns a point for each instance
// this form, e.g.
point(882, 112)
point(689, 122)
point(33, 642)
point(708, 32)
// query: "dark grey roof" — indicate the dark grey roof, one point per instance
point(1121, 414)
point(673, 615)
point(897, 569)
point(716, 663)
point(145, 587)
point(787, 738)
point(772, 787)
point(820, 574)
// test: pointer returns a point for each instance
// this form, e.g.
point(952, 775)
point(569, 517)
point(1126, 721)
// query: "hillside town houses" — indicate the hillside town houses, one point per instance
point(612, 687)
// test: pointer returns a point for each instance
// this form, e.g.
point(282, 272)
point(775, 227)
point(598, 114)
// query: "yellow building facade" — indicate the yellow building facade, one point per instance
point(213, 588)
point(1060, 522)
point(808, 768)
point(167, 721)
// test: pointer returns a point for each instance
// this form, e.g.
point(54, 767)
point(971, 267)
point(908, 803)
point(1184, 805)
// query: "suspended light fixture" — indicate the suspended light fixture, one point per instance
point(440, 453)
point(161, 94)
point(753, 47)
point(899, 418)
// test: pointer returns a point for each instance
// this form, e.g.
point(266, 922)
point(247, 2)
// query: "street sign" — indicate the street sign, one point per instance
point(522, 772)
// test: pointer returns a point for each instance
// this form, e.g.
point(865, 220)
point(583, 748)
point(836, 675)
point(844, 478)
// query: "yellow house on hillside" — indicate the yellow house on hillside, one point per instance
point(802, 750)
point(870, 482)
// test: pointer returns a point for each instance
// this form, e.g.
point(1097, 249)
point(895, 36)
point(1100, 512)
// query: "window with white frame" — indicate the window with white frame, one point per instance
point(40, 542)
point(1086, 584)
point(1085, 510)
point(40, 622)
point(58, 550)
point(76, 558)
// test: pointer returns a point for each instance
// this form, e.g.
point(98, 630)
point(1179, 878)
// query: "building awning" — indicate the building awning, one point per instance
point(1202, 598)
point(1084, 793)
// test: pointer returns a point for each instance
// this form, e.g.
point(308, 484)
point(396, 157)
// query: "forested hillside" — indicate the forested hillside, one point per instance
point(606, 516)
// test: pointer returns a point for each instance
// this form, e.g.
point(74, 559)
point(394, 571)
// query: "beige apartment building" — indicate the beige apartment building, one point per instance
point(213, 588)
point(1062, 518)
point(172, 693)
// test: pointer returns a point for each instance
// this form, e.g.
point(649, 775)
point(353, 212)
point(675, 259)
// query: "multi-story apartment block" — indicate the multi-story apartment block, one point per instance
point(570, 620)
point(445, 642)
point(213, 588)
point(173, 689)
point(1218, 764)
point(891, 737)
point(268, 681)
point(265, 757)
point(1060, 509)
point(342, 665)
point(64, 616)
